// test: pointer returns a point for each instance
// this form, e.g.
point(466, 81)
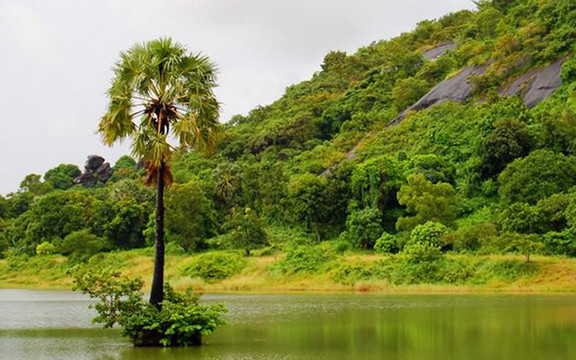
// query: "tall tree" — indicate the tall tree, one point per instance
point(160, 92)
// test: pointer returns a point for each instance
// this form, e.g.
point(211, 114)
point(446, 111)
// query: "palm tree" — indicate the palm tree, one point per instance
point(160, 94)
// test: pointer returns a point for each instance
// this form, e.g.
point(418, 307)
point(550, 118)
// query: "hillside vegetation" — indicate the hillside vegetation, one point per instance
point(346, 162)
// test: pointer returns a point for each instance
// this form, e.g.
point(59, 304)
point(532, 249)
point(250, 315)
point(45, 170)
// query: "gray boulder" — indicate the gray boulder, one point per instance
point(457, 88)
point(94, 162)
point(104, 172)
point(537, 84)
point(96, 170)
point(87, 179)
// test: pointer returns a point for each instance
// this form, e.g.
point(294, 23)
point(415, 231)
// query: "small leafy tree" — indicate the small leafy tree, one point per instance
point(524, 244)
point(247, 230)
point(191, 217)
point(374, 183)
point(125, 225)
point(364, 227)
point(124, 168)
point(308, 195)
point(180, 321)
point(427, 201)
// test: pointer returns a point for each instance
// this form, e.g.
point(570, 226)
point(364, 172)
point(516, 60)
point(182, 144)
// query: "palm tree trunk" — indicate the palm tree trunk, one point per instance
point(157, 292)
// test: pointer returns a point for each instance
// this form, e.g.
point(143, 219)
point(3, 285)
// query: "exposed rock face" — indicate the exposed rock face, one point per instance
point(438, 51)
point(96, 169)
point(457, 88)
point(537, 84)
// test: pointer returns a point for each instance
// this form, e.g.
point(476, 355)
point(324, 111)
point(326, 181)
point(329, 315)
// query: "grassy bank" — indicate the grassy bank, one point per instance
point(348, 272)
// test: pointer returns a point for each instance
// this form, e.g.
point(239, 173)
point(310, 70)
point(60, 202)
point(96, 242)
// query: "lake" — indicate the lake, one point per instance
point(56, 325)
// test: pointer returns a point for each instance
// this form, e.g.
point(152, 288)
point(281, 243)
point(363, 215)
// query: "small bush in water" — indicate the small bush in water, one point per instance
point(180, 321)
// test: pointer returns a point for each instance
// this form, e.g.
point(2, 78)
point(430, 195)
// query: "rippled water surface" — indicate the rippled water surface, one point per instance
point(56, 325)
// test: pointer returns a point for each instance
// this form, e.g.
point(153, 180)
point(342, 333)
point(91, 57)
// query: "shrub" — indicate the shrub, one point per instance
point(342, 244)
point(560, 243)
point(419, 252)
point(386, 244)
point(457, 271)
point(364, 227)
point(435, 168)
point(507, 270)
point(45, 248)
point(80, 245)
point(215, 265)
point(303, 259)
point(407, 91)
point(401, 270)
point(350, 274)
point(472, 238)
point(569, 71)
point(180, 321)
point(430, 233)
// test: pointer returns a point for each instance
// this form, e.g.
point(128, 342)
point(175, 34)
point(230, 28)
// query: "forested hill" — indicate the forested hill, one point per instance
point(466, 124)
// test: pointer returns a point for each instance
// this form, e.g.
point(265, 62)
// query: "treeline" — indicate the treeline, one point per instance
point(321, 165)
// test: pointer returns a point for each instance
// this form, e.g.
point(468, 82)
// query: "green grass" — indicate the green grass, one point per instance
point(348, 272)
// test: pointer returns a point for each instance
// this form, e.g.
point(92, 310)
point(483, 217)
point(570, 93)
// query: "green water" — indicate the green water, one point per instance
point(55, 325)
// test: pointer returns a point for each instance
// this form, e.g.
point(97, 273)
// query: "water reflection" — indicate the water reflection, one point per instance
point(409, 327)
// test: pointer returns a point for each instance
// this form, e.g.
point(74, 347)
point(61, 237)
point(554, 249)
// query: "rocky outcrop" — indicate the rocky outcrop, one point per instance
point(457, 88)
point(438, 51)
point(537, 84)
point(96, 170)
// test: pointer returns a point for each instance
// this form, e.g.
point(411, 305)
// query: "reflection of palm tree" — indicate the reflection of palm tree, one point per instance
point(170, 93)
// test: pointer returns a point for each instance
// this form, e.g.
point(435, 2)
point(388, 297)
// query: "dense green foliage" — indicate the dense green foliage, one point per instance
point(62, 177)
point(322, 162)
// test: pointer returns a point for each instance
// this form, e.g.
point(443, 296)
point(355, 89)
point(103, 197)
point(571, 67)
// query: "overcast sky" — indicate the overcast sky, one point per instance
point(56, 56)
